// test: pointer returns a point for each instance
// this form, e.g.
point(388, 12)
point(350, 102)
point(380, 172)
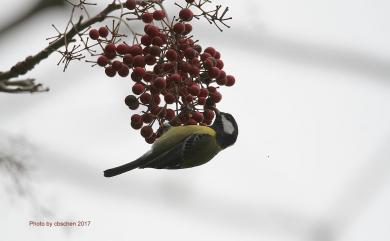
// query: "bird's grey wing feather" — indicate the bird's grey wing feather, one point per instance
point(175, 157)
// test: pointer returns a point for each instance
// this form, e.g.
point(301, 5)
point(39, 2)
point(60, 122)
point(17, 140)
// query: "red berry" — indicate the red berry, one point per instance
point(188, 28)
point(121, 49)
point(102, 61)
point(136, 118)
point(139, 61)
point(94, 34)
point(191, 122)
point(150, 59)
point(203, 92)
point(175, 78)
point(214, 72)
point(110, 55)
point(128, 59)
point(148, 76)
point(188, 98)
point(156, 99)
point(194, 71)
point(158, 14)
point(151, 139)
point(130, 4)
point(217, 55)
point(157, 41)
point(155, 50)
point(138, 88)
point(205, 56)
point(222, 75)
point(186, 14)
point(132, 102)
point(146, 40)
point(212, 89)
point(147, 118)
point(171, 55)
point(110, 48)
point(221, 81)
point(170, 114)
point(124, 71)
point(211, 51)
point(198, 117)
point(230, 80)
point(194, 90)
point(216, 97)
point(110, 71)
point(151, 30)
point(209, 63)
point(103, 32)
point(219, 64)
point(201, 100)
point(135, 50)
point(136, 125)
point(139, 71)
point(159, 82)
point(145, 98)
point(117, 65)
point(169, 98)
point(179, 28)
point(146, 132)
point(190, 53)
point(147, 17)
point(208, 114)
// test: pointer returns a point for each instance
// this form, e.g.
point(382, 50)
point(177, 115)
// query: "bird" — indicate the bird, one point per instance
point(187, 146)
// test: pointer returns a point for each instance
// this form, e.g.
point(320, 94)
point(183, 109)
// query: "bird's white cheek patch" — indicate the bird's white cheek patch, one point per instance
point(228, 127)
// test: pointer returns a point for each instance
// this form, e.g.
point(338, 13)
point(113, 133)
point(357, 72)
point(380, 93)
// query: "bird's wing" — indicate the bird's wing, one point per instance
point(193, 151)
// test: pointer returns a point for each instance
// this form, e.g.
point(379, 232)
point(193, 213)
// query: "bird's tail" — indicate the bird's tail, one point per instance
point(124, 168)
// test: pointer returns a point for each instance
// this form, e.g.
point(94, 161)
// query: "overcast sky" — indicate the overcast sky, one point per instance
point(311, 161)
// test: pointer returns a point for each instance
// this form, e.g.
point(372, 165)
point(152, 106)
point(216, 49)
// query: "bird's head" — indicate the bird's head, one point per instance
point(226, 128)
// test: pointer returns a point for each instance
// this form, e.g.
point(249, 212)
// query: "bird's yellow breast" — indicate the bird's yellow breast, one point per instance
point(178, 133)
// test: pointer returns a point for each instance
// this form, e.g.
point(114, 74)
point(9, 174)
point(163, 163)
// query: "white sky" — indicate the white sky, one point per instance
point(310, 163)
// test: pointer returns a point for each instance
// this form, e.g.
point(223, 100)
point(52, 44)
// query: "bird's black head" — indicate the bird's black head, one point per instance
point(226, 128)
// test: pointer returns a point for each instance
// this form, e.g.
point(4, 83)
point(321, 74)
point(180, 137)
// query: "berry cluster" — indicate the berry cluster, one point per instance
point(175, 81)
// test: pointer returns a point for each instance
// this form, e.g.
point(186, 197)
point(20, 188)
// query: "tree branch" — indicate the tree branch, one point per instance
point(29, 63)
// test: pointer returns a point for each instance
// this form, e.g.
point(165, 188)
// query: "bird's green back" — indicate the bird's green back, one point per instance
point(176, 134)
